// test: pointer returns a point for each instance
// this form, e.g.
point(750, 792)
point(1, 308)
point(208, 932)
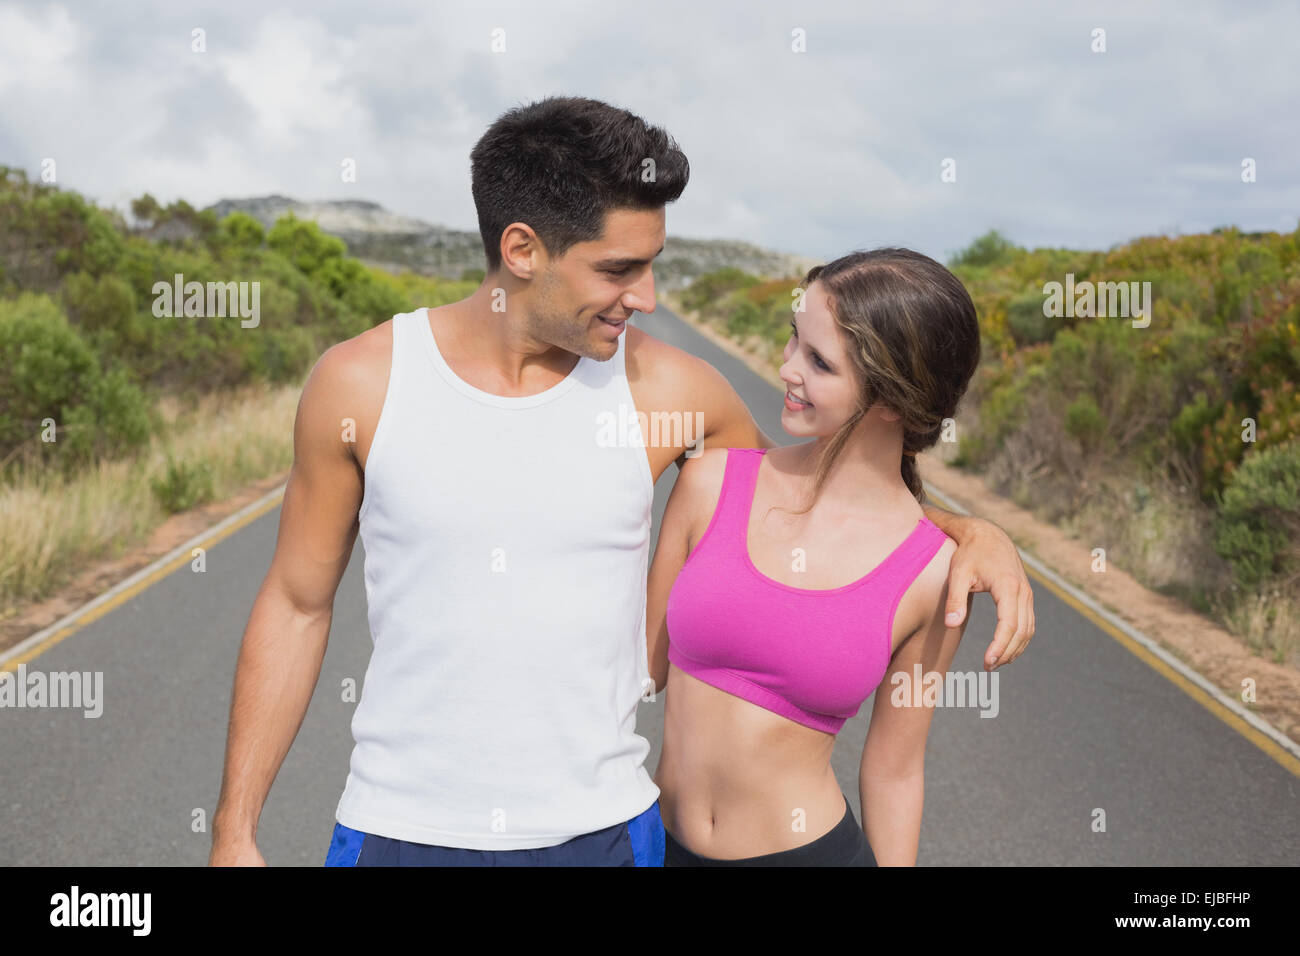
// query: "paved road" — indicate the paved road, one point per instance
point(1083, 724)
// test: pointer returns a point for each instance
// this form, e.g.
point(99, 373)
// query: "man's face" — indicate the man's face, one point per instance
point(610, 276)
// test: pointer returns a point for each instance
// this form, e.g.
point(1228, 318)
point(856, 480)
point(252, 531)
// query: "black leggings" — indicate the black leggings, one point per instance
point(845, 845)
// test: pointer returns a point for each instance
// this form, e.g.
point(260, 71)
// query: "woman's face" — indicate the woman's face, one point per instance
point(817, 370)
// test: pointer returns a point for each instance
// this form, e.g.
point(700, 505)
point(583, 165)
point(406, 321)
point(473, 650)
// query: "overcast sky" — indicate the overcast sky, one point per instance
point(816, 152)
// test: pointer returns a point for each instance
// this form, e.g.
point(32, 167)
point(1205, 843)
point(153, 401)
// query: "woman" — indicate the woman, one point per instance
point(770, 630)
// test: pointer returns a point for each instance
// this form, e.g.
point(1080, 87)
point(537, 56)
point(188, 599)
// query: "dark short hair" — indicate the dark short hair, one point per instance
point(561, 163)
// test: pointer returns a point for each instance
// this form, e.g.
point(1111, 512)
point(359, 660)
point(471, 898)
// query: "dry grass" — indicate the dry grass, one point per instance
point(50, 527)
point(1267, 621)
point(1156, 530)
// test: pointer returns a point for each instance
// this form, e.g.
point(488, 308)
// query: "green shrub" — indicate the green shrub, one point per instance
point(107, 302)
point(302, 243)
point(1279, 415)
point(1009, 390)
point(45, 366)
point(1258, 524)
point(146, 210)
point(744, 319)
point(709, 289)
point(47, 370)
point(79, 235)
point(284, 355)
point(1083, 422)
point(116, 418)
point(1190, 423)
point(183, 487)
point(1026, 321)
point(240, 232)
point(990, 249)
point(1068, 361)
point(1222, 447)
point(359, 289)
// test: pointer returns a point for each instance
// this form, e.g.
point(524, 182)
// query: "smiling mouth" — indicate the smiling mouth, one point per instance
point(614, 322)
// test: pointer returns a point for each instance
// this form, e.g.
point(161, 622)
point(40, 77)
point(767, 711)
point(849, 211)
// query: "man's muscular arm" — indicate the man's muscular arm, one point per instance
point(987, 560)
point(726, 418)
point(288, 627)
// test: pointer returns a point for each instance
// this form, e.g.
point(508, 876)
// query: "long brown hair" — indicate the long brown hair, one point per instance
point(913, 339)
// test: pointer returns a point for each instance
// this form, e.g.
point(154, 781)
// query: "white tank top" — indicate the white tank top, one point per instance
point(506, 543)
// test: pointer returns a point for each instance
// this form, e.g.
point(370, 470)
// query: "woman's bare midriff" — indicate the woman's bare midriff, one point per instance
point(737, 780)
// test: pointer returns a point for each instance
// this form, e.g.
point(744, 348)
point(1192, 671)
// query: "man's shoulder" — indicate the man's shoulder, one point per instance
point(360, 359)
point(674, 375)
point(349, 381)
point(656, 357)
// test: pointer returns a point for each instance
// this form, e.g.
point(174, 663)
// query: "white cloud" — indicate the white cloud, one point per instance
point(816, 152)
point(37, 50)
point(293, 74)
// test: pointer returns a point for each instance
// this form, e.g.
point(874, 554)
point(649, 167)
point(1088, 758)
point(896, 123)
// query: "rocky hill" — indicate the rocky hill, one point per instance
point(394, 242)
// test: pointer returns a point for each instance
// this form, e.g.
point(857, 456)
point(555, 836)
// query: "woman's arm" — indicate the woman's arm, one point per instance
point(987, 560)
point(891, 778)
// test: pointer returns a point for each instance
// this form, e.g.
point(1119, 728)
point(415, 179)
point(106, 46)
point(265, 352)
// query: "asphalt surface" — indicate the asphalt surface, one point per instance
point(1083, 728)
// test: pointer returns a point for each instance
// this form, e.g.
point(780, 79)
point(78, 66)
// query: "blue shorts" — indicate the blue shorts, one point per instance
point(638, 842)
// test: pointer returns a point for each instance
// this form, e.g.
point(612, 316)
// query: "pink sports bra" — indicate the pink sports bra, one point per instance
point(810, 655)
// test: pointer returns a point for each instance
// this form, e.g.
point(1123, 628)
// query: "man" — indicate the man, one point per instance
point(506, 541)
